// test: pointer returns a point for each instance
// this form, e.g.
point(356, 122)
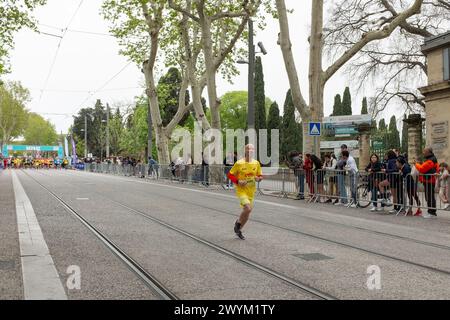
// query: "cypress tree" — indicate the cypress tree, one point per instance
point(337, 108)
point(364, 109)
point(273, 122)
point(168, 88)
point(347, 103)
point(394, 134)
point(290, 137)
point(383, 132)
point(260, 97)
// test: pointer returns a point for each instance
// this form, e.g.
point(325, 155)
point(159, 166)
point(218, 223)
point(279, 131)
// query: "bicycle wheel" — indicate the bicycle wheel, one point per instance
point(363, 196)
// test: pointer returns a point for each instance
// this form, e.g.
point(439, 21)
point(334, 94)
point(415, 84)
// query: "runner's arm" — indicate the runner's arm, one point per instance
point(232, 175)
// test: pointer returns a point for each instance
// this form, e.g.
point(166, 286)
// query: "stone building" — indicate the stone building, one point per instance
point(437, 94)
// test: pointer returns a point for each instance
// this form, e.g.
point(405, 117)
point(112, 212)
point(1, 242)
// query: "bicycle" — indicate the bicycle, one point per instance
point(363, 194)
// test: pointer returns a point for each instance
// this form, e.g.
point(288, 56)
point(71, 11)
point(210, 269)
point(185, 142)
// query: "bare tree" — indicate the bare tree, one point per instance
point(394, 67)
point(353, 41)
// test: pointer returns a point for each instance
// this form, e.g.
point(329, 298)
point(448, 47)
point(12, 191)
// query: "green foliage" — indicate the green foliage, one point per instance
point(337, 107)
point(233, 110)
point(40, 131)
point(96, 128)
point(290, 130)
point(347, 103)
point(134, 136)
point(260, 97)
point(393, 135)
point(14, 15)
point(382, 126)
point(13, 114)
point(274, 119)
point(169, 87)
point(364, 109)
point(115, 132)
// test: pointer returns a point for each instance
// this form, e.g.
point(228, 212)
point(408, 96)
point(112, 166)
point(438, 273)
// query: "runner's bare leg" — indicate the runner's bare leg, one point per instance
point(245, 215)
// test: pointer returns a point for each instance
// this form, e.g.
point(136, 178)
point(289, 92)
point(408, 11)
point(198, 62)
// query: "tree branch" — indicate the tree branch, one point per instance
point(372, 36)
point(183, 11)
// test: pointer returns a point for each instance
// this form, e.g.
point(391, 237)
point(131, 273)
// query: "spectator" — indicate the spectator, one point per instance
point(342, 190)
point(374, 170)
point(307, 167)
point(153, 167)
point(410, 185)
point(317, 174)
point(352, 169)
point(443, 185)
point(392, 181)
point(296, 164)
point(205, 170)
point(330, 166)
point(428, 171)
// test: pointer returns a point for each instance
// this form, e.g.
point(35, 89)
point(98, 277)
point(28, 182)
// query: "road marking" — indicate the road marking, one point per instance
point(82, 199)
point(40, 279)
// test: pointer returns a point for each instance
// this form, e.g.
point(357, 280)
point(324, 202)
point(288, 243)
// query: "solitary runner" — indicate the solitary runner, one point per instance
point(245, 174)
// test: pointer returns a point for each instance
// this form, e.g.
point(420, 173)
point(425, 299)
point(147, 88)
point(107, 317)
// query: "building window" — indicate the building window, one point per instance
point(447, 64)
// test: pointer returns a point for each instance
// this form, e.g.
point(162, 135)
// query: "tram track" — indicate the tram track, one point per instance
point(339, 243)
point(148, 279)
point(154, 283)
point(393, 236)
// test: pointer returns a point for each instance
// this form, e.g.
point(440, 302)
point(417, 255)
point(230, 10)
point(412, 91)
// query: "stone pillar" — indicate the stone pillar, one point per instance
point(364, 145)
point(414, 127)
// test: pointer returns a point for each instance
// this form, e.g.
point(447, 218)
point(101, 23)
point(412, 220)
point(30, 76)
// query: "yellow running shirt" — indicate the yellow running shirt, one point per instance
point(243, 170)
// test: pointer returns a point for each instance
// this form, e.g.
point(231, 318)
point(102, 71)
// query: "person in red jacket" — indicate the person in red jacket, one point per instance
point(428, 170)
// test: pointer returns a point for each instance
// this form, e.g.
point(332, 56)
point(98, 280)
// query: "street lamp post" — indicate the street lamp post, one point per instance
point(251, 73)
point(85, 136)
point(251, 77)
point(107, 131)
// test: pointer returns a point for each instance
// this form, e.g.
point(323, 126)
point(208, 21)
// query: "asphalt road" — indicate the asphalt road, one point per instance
point(332, 250)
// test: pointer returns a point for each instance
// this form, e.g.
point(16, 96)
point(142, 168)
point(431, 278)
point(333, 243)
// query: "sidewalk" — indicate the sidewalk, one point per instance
point(10, 267)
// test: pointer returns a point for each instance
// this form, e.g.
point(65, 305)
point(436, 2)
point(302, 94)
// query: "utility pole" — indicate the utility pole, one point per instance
point(85, 136)
point(107, 131)
point(251, 77)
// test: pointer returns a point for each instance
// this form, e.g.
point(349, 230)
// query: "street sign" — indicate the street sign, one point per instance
point(315, 129)
point(346, 130)
point(348, 120)
point(378, 145)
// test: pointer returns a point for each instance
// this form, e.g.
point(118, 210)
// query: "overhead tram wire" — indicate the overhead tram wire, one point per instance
point(104, 85)
point(58, 48)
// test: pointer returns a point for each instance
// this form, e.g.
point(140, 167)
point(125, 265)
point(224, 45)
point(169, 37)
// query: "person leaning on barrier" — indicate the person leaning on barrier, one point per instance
point(307, 167)
point(317, 176)
point(330, 167)
point(374, 169)
point(409, 185)
point(352, 169)
point(391, 181)
point(296, 164)
point(340, 172)
point(428, 170)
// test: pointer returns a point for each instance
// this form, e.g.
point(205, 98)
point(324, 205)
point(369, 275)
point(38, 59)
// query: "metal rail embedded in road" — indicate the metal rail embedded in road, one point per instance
point(150, 281)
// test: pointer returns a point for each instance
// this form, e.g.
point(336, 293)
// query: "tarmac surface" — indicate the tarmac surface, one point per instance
point(183, 236)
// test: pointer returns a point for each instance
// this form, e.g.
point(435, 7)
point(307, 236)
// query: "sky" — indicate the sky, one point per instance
point(65, 75)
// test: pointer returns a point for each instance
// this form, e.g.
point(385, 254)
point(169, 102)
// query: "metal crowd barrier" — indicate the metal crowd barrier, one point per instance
point(213, 175)
point(386, 191)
